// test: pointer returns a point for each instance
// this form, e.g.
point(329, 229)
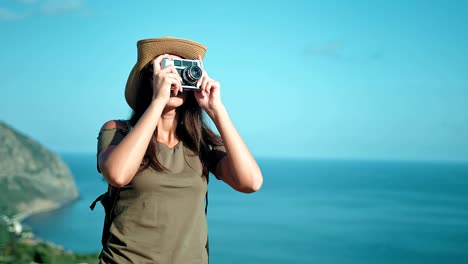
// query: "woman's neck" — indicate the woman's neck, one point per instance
point(167, 126)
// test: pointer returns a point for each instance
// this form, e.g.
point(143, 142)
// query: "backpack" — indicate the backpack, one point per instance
point(108, 201)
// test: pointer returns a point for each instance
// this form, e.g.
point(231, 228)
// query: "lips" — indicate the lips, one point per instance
point(179, 94)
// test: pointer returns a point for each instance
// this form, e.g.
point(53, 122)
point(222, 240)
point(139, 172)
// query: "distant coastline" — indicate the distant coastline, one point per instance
point(39, 207)
point(42, 206)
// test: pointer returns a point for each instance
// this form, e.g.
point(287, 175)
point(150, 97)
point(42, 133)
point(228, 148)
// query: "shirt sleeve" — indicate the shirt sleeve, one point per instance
point(107, 137)
point(215, 154)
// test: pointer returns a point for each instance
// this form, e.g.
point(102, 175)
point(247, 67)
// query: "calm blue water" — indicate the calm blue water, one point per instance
point(308, 211)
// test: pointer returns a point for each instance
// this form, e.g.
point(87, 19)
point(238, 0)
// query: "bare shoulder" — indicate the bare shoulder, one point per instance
point(111, 124)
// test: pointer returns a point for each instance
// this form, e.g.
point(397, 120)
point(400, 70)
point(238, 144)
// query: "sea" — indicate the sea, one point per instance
point(307, 211)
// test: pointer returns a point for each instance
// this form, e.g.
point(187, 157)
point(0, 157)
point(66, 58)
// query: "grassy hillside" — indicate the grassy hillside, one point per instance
point(27, 252)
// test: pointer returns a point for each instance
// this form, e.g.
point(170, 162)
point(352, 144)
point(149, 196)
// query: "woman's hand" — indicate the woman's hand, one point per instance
point(165, 79)
point(209, 95)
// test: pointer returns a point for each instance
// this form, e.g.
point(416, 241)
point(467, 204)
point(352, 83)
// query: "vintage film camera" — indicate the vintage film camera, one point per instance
point(189, 70)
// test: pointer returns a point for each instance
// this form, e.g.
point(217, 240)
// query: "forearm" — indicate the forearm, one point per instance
point(125, 159)
point(243, 169)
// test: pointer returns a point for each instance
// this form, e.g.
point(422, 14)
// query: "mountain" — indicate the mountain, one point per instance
point(32, 178)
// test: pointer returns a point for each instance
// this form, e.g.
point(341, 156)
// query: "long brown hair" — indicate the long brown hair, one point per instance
point(191, 129)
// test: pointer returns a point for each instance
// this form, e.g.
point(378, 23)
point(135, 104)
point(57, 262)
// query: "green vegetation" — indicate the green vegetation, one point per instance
point(44, 253)
point(25, 251)
point(4, 237)
point(11, 196)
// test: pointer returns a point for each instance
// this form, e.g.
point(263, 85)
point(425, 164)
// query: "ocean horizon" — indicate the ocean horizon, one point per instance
point(307, 211)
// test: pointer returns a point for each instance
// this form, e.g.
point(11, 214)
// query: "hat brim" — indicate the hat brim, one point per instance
point(148, 49)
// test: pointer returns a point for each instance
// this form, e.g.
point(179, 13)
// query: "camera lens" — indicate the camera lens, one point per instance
point(192, 74)
point(196, 72)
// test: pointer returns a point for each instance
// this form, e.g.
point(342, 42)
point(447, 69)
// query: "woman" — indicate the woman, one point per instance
point(160, 166)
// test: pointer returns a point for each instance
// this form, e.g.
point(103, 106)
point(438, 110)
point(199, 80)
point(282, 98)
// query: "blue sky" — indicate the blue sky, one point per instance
point(311, 79)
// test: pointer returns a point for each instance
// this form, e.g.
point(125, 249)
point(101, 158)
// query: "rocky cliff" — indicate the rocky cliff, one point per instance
point(32, 178)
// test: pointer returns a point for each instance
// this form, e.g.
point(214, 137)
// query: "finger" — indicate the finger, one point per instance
point(173, 85)
point(177, 86)
point(211, 86)
point(178, 78)
point(214, 85)
point(169, 69)
point(201, 79)
point(199, 85)
point(170, 78)
point(205, 87)
point(206, 80)
point(172, 75)
point(172, 70)
point(157, 62)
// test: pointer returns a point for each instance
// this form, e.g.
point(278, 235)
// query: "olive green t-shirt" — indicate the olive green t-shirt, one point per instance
point(160, 217)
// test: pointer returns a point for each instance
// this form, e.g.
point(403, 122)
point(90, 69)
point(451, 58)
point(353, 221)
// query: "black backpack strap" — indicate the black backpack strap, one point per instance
point(114, 193)
point(206, 194)
point(127, 124)
point(207, 246)
point(99, 198)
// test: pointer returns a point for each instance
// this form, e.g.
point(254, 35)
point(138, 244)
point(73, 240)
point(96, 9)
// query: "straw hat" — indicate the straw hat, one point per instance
point(148, 49)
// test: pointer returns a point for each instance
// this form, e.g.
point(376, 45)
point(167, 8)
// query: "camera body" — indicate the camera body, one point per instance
point(189, 70)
